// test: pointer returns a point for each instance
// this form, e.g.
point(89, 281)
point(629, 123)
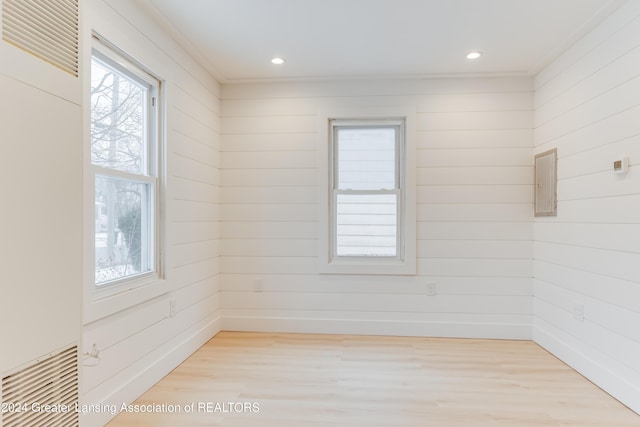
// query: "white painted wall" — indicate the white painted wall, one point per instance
point(139, 340)
point(474, 170)
point(588, 106)
point(40, 208)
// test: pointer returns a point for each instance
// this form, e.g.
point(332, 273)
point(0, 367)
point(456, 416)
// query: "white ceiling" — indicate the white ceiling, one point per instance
point(235, 39)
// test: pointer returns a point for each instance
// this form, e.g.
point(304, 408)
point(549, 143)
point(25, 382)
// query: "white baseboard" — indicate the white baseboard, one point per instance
point(152, 369)
point(373, 327)
point(611, 382)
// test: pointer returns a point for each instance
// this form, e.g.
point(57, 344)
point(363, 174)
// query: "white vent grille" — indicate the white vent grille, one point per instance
point(47, 29)
point(44, 393)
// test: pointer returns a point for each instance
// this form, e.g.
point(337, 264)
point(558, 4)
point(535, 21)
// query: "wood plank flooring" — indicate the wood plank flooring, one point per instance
point(263, 379)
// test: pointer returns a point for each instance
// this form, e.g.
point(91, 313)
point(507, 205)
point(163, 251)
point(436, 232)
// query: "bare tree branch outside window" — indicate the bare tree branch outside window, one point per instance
point(118, 126)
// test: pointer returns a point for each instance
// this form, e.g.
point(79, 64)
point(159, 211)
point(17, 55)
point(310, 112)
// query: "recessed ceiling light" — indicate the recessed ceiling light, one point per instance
point(277, 61)
point(474, 55)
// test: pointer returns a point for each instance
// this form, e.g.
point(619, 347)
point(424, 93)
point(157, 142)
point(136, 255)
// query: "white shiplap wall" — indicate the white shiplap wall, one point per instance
point(139, 340)
point(474, 168)
point(588, 106)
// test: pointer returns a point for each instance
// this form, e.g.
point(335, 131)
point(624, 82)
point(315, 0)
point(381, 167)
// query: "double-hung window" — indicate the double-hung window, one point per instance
point(124, 167)
point(368, 215)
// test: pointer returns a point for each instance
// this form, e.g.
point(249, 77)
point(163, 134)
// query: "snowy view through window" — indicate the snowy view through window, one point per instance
point(118, 156)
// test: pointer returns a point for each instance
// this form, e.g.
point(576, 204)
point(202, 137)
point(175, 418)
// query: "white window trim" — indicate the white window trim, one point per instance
point(405, 264)
point(103, 300)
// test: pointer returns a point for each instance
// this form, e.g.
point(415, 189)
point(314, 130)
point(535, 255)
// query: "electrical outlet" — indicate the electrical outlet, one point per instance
point(172, 308)
point(258, 285)
point(432, 289)
point(578, 311)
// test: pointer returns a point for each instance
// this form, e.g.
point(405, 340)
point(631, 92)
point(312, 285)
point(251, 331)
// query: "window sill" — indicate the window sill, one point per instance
point(366, 266)
point(101, 303)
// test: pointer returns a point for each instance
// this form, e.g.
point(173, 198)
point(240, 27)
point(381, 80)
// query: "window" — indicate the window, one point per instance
point(366, 189)
point(370, 212)
point(124, 167)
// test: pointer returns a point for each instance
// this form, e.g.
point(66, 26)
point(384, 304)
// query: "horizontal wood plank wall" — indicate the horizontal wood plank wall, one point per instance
point(143, 343)
point(586, 258)
point(475, 193)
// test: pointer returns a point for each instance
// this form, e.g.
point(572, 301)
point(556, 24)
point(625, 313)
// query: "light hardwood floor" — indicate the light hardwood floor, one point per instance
point(335, 380)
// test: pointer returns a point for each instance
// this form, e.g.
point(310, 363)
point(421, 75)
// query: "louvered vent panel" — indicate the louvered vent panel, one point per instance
point(44, 394)
point(47, 29)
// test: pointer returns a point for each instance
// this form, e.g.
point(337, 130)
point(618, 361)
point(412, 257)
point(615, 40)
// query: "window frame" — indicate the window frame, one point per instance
point(338, 124)
point(404, 263)
point(151, 175)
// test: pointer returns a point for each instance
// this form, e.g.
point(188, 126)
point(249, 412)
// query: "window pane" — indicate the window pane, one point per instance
point(118, 110)
point(121, 229)
point(366, 158)
point(366, 225)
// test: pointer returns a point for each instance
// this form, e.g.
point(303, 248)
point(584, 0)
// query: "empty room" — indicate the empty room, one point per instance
point(391, 213)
